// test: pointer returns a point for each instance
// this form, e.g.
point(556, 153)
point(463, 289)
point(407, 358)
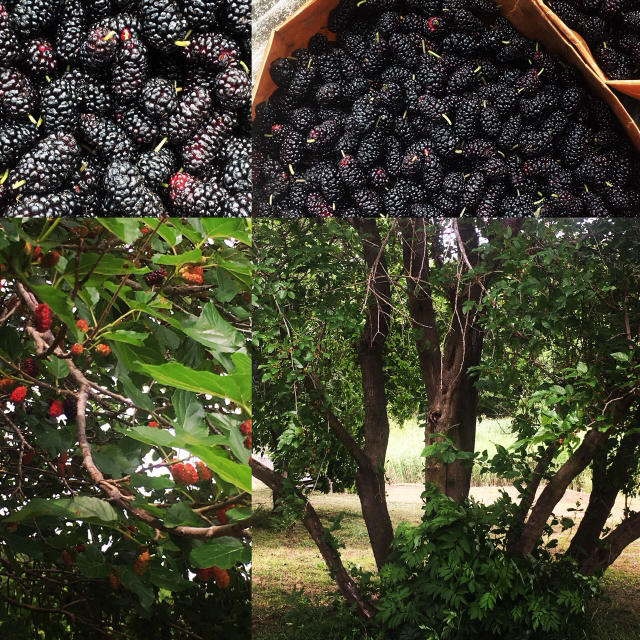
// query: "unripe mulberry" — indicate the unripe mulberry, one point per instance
point(221, 576)
point(66, 558)
point(190, 474)
point(6, 384)
point(50, 260)
point(155, 277)
point(82, 325)
point(141, 563)
point(153, 424)
point(103, 349)
point(42, 317)
point(245, 428)
point(56, 408)
point(114, 581)
point(248, 443)
point(76, 349)
point(18, 394)
point(204, 474)
point(193, 275)
point(79, 548)
point(30, 367)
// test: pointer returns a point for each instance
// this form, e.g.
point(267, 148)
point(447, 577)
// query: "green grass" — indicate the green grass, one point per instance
point(405, 465)
point(293, 595)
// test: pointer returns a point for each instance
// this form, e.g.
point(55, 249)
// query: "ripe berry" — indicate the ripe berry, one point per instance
point(155, 277)
point(42, 317)
point(66, 558)
point(82, 325)
point(103, 349)
point(30, 367)
point(56, 408)
point(204, 474)
point(18, 394)
point(79, 548)
point(248, 443)
point(76, 349)
point(221, 514)
point(204, 574)
point(27, 458)
point(245, 428)
point(50, 260)
point(190, 474)
point(152, 423)
point(114, 581)
point(194, 275)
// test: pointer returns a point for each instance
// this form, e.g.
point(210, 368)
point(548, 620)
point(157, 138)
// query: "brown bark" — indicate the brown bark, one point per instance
point(606, 484)
point(612, 546)
point(370, 476)
point(555, 489)
point(312, 523)
point(452, 398)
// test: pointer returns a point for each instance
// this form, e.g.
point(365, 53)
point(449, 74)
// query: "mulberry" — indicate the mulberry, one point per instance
point(155, 277)
point(56, 408)
point(42, 317)
point(18, 394)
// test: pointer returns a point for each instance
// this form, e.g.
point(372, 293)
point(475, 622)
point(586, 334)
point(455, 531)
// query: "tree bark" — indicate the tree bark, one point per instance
point(612, 546)
point(555, 489)
point(370, 477)
point(452, 399)
point(312, 523)
point(607, 483)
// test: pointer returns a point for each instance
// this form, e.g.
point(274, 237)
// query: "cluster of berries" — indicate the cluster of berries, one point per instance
point(103, 101)
point(611, 28)
point(192, 274)
point(220, 576)
point(186, 473)
point(435, 108)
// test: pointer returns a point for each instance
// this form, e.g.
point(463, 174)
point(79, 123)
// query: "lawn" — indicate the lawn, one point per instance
point(293, 593)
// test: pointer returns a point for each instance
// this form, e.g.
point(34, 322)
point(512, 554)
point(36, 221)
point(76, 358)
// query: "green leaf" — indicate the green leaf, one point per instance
point(216, 459)
point(112, 461)
point(221, 552)
point(182, 258)
point(582, 367)
point(79, 508)
point(151, 482)
point(127, 229)
point(236, 387)
point(132, 582)
point(107, 265)
point(91, 563)
point(180, 514)
point(213, 331)
point(621, 357)
point(227, 228)
point(165, 578)
point(10, 341)
point(60, 303)
point(238, 513)
point(130, 337)
point(57, 367)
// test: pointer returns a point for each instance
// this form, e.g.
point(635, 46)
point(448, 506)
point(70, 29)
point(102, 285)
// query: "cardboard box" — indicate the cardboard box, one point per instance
point(531, 17)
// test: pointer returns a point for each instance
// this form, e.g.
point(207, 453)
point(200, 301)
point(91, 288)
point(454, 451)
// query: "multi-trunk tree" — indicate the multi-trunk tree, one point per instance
point(359, 320)
point(125, 385)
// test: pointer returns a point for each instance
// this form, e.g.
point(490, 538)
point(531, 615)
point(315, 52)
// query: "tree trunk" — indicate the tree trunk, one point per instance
point(607, 482)
point(373, 500)
point(312, 523)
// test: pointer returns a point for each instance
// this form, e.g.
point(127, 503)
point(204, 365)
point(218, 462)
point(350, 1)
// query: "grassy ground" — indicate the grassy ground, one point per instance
point(292, 592)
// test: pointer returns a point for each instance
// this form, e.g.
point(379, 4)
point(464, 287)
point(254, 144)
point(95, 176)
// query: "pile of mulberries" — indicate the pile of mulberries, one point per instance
point(105, 103)
point(435, 107)
point(611, 28)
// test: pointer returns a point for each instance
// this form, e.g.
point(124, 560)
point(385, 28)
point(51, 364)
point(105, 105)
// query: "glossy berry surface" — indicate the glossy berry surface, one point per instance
point(100, 101)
